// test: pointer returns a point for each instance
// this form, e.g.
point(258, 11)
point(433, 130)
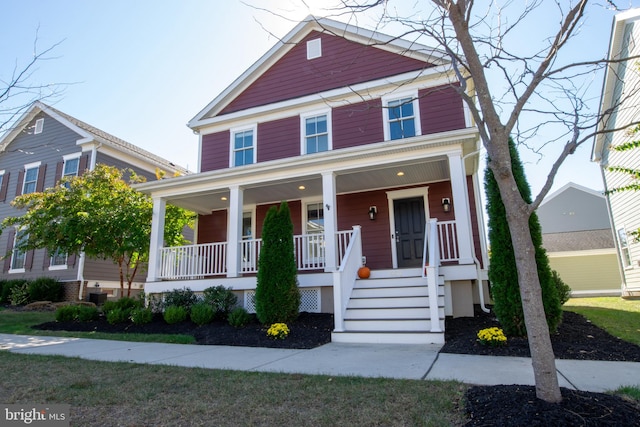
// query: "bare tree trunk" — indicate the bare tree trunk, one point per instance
point(542, 357)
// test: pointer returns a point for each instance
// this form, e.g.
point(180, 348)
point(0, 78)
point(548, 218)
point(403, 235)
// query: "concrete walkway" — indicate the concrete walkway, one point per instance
point(416, 362)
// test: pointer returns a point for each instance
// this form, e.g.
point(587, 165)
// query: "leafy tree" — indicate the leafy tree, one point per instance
point(503, 273)
point(100, 214)
point(277, 296)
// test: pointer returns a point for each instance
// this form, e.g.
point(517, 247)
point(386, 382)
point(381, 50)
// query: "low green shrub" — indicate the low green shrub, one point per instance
point(7, 288)
point(202, 313)
point(221, 299)
point(66, 313)
point(175, 314)
point(109, 305)
point(564, 290)
point(117, 315)
point(70, 313)
point(86, 313)
point(184, 298)
point(46, 289)
point(127, 303)
point(141, 316)
point(19, 294)
point(239, 317)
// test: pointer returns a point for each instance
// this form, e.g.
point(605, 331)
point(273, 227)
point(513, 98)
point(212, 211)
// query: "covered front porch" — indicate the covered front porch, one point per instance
point(390, 205)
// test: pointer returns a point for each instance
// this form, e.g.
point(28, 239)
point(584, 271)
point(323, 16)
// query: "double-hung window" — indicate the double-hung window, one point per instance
point(71, 167)
point(401, 117)
point(58, 260)
point(18, 257)
point(30, 178)
point(316, 132)
point(624, 247)
point(243, 147)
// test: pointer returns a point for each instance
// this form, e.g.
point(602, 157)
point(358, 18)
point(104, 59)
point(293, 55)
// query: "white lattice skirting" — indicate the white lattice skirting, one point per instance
point(309, 300)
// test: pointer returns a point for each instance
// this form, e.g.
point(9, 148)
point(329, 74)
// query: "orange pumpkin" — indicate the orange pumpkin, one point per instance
point(364, 272)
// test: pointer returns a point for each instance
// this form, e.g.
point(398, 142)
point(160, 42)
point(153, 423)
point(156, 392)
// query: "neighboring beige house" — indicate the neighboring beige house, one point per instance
point(622, 83)
point(577, 234)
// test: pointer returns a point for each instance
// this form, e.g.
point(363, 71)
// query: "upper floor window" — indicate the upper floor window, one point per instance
point(70, 166)
point(30, 178)
point(316, 133)
point(243, 147)
point(401, 117)
point(39, 126)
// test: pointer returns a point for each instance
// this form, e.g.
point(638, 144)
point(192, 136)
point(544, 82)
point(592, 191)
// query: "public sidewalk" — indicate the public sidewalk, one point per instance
point(364, 360)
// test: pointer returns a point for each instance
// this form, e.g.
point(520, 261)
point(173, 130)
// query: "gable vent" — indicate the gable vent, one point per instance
point(39, 126)
point(314, 48)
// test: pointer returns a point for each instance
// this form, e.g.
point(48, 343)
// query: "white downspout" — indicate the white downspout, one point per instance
point(80, 276)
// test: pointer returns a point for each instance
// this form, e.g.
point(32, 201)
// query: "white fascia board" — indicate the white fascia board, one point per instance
point(350, 32)
point(130, 158)
point(572, 185)
point(434, 145)
point(83, 133)
point(422, 79)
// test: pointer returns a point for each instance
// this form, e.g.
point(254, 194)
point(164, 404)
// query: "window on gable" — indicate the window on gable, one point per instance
point(314, 48)
point(30, 179)
point(18, 257)
point(39, 126)
point(316, 133)
point(243, 147)
point(401, 118)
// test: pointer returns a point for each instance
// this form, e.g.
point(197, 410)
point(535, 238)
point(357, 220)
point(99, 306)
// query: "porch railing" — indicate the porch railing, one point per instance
point(209, 259)
point(448, 241)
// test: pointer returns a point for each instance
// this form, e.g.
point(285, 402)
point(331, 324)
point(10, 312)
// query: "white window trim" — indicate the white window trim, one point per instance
point(232, 138)
point(416, 111)
point(303, 136)
point(60, 266)
point(26, 168)
point(13, 253)
point(39, 126)
point(624, 260)
point(68, 157)
point(314, 48)
point(305, 219)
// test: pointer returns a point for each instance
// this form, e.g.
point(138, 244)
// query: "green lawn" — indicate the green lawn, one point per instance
point(620, 317)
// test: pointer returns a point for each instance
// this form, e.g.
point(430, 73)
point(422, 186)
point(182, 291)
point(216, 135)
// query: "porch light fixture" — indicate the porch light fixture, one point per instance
point(301, 187)
point(372, 212)
point(446, 204)
point(223, 198)
point(400, 173)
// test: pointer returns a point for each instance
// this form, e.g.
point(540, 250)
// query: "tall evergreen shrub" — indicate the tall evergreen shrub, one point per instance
point(277, 296)
point(503, 273)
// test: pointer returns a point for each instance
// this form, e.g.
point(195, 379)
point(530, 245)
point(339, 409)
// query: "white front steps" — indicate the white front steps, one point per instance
point(392, 310)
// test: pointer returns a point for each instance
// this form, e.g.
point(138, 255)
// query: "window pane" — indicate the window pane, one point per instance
point(310, 128)
point(321, 124)
point(407, 108)
point(408, 128)
point(323, 143)
point(395, 130)
point(315, 218)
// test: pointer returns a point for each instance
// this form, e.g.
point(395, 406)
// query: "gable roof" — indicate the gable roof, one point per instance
point(406, 49)
point(571, 185)
point(616, 45)
point(87, 134)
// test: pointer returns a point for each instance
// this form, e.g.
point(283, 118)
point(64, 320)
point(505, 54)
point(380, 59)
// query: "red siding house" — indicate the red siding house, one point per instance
point(367, 139)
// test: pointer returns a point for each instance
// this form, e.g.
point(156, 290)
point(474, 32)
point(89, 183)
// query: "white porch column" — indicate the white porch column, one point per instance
point(157, 238)
point(461, 208)
point(330, 221)
point(234, 229)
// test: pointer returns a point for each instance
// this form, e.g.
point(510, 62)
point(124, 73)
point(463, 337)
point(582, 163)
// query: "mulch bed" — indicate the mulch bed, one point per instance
point(502, 405)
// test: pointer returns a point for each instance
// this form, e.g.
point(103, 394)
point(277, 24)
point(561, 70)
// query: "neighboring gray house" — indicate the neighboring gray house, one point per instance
point(622, 82)
point(44, 145)
point(577, 234)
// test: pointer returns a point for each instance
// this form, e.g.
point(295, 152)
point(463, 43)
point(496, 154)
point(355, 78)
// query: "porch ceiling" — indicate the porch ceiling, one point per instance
point(347, 181)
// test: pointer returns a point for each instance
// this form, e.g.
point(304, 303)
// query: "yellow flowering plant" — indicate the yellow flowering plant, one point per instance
point(492, 336)
point(278, 331)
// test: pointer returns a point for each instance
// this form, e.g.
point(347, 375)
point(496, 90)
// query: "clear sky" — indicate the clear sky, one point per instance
point(141, 69)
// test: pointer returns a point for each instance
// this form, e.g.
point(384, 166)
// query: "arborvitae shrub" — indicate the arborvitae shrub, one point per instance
point(503, 273)
point(221, 299)
point(202, 313)
point(239, 317)
point(564, 290)
point(175, 314)
point(277, 295)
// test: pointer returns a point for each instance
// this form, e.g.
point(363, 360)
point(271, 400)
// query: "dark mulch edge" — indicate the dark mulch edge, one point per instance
point(309, 330)
point(577, 338)
point(516, 405)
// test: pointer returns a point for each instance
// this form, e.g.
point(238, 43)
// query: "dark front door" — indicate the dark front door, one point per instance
point(409, 231)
